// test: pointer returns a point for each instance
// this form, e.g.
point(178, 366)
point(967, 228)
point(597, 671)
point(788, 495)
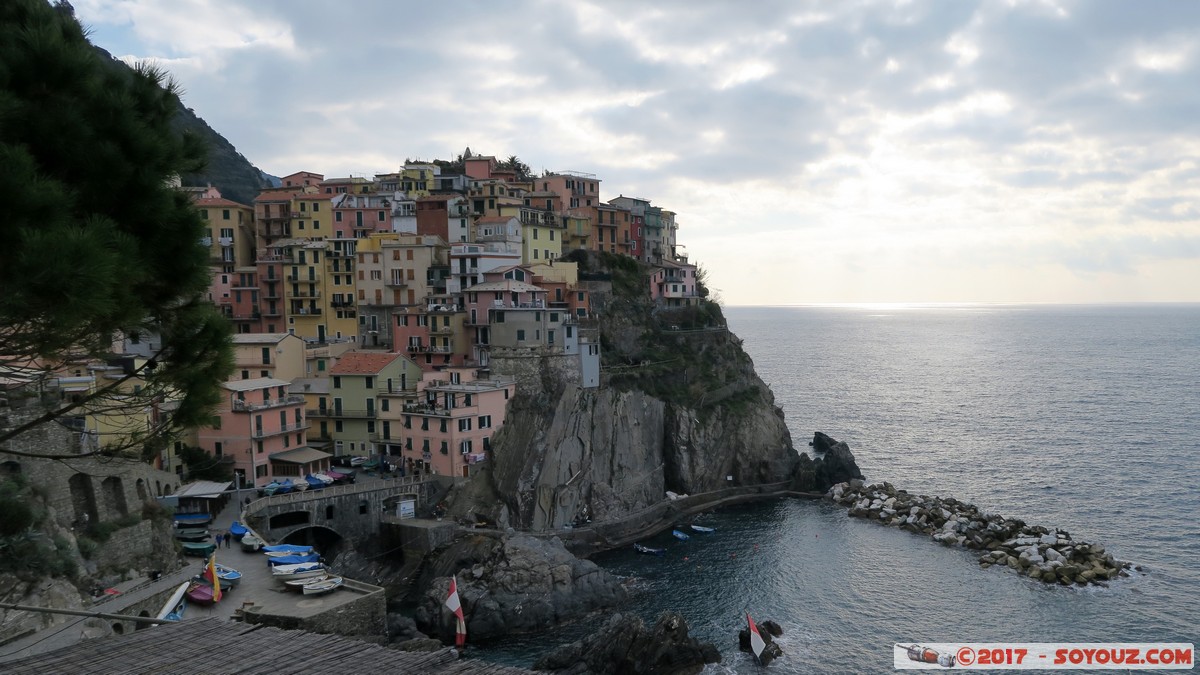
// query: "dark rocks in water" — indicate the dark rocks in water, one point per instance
point(768, 630)
point(623, 645)
point(401, 628)
point(515, 584)
point(834, 465)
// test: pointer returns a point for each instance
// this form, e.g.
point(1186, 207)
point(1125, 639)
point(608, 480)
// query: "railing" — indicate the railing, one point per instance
point(246, 406)
point(422, 349)
point(308, 311)
point(296, 278)
point(307, 294)
point(340, 412)
point(397, 484)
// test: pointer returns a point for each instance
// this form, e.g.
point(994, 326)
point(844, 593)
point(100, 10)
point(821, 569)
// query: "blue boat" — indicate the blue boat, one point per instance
point(287, 548)
point(270, 488)
point(285, 487)
point(192, 519)
point(293, 559)
point(238, 530)
point(314, 483)
point(679, 535)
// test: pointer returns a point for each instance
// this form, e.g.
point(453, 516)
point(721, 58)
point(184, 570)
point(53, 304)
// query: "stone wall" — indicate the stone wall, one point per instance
point(365, 617)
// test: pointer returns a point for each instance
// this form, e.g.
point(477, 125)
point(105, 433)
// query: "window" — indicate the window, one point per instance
point(381, 216)
point(337, 426)
point(337, 217)
point(337, 382)
point(225, 214)
point(485, 421)
point(520, 334)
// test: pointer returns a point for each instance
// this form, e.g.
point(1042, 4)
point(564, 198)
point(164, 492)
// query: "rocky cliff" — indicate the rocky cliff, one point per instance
point(680, 409)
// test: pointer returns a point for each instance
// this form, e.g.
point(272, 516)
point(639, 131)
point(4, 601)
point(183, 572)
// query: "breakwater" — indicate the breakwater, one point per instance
point(1050, 556)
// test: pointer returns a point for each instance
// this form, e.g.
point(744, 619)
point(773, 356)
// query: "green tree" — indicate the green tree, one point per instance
point(203, 466)
point(513, 163)
point(97, 242)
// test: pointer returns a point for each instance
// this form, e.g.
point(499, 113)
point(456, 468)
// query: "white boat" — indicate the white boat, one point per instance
point(701, 528)
point(322, 586)
point(251, 543)
point(298, 584)
point(173, 609)
point(290, 572)
point(327, 480)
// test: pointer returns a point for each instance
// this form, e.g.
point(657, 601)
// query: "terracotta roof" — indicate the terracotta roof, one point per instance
point(213, 645)
point(315, 195)
point(220, 201)
point(363, 363)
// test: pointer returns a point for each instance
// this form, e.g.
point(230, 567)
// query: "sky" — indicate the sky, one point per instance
point(847, 151)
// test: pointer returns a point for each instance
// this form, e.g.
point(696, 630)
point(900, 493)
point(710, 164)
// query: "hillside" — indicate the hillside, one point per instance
point(227, 169)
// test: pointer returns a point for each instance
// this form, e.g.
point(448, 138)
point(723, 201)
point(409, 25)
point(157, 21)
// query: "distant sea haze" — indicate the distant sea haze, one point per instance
point(1080, 417)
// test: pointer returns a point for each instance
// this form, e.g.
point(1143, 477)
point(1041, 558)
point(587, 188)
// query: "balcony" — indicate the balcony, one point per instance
point(444, 330)
point(285, 429)
point(342, 412)
point(306, 293)
point(248, 316)
point(251, 406)
point(308, 311)
point(296, 278)
point(429, 349)
point(226, 241)
point(342, 302)
point(396, 283)
point(272, 312)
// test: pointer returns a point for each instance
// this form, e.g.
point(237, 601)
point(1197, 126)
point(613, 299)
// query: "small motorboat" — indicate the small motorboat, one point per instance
point(228, 574)
point(315, 483)
point(324, 478)
point(201, 549)
point(290, 572)
point(173, 609)
point(251, 543)
point(192, 519)
point(680, 535)
point(200, 592)
point(300, 486)
point(286, 549)
point(191, 534)
point(238, 530)
point(270, 488)
point(649, 551)
point(321, 586)
point(284, 487)
point(293, 559)
point(701, 528)
point(298, 584)
point(358, 461)
point(340, 478)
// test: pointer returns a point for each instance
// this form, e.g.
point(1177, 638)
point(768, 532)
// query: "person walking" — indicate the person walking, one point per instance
point(228, 539)
point(219, 538)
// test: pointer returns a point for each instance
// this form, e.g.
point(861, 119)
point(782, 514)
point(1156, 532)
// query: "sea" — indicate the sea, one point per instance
point(1082, 417)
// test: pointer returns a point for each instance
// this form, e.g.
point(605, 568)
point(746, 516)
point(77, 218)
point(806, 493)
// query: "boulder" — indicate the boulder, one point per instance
point(623, 645)
point(527, 584)
point(766, 630)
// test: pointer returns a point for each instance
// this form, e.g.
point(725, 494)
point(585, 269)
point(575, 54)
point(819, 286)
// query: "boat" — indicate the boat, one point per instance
point(680, 535)
point(322, 586)
point(285, 487)
point(287, 549)
point(358, 461)
point(314, 483)
point(340, 478)
point(226, 585)
point(191, 534)
point(300, 486)
point(290, 572)
point(701, 528)
point(251, 543)
point(227, 574)
point(293, 559)
point(297, 584)
point(201, 549)
point(649, 551)
point(324, 478)
point(270, 488)
point(192, 519)
point(238, 530)
point(173, 609)
point(200, 592)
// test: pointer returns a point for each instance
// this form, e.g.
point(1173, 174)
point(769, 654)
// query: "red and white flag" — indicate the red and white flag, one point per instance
point(757, 645)
point(453, 603)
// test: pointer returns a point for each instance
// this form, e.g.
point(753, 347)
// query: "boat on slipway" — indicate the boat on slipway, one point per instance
point(291, 572)
point(251, 543)
point(200, 593)
point(191, 534)
point(238, 530)
point(172, 610)
point(286, 549)
point(192, 519)
point(201, 549)
point(293, 559)
point(322, 586)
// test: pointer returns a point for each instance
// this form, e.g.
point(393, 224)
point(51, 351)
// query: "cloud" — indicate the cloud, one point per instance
point(926, 139)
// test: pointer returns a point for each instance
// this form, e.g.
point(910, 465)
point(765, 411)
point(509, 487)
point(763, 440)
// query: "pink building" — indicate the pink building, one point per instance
point(257, 420)
point(450, 428)
point(674, 284)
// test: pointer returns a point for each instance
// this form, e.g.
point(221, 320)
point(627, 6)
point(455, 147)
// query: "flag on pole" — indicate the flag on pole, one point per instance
point(757, 645)
point(453, 603)
point(212, 576)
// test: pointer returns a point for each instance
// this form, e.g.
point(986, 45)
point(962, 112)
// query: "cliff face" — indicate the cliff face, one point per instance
point(680, 409)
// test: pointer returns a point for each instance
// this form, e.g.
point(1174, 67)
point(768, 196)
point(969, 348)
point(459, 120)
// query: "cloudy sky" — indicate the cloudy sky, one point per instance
point(820, 152)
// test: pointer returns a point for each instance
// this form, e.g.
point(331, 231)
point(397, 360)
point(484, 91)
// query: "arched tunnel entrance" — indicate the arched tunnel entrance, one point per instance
point(326, 541)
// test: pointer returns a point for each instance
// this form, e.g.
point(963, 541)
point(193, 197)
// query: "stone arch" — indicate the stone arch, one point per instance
point(118, 628)
point(167, 490)
point(158, 487)
point(326, 540)
point(83, 499)
point(289, 519)
point(10, 468)
point(112, 492)
point(141, 491)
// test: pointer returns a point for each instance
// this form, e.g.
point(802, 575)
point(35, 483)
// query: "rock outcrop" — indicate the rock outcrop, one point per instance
point(834, 463)
point(768, 630)
point(624, 646)
point(1050, 556)
point(516, 584)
